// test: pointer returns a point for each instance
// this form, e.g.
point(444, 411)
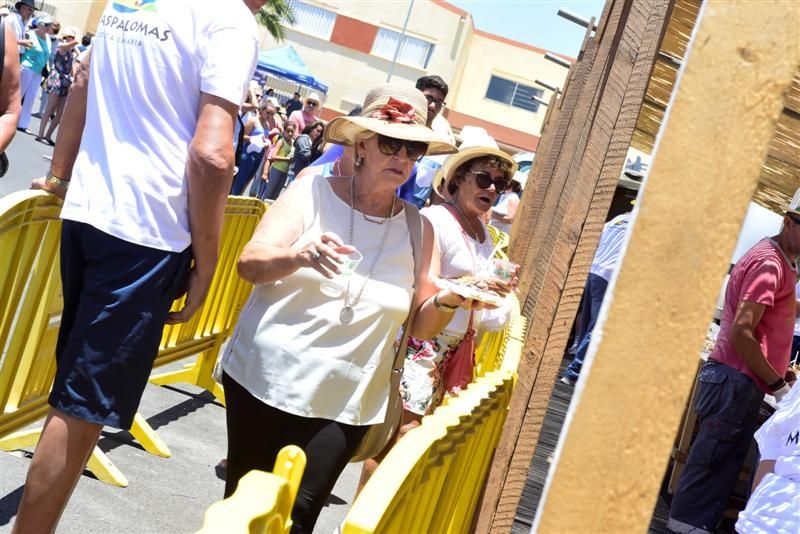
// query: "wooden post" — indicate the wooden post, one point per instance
point(570, 209)
point(621, 425)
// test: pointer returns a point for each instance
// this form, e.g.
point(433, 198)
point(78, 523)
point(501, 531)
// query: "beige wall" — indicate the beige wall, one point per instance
point(81, 14)
point(350, 73)
point(488, 56)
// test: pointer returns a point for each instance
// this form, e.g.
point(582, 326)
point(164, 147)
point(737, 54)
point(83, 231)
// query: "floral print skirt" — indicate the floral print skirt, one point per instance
point(422, 386)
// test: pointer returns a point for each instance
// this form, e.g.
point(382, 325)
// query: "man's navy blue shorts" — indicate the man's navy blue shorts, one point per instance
point(116, 299)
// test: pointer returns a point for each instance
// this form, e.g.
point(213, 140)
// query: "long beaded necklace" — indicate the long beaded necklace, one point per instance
point(347, 314)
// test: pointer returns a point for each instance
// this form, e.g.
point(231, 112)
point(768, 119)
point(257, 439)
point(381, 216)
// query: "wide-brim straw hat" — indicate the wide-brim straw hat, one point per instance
point(477, 143)
point(396, 111)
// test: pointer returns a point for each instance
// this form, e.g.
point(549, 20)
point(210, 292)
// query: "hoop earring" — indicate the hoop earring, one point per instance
point(359, 161)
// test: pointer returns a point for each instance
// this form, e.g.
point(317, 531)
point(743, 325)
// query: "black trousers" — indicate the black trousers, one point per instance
point(257, 432)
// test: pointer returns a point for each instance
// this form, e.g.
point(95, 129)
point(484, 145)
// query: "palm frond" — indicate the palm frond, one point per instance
point(275, 16)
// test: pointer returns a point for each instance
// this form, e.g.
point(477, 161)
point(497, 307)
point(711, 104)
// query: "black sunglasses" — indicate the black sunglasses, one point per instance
point(438, 102)
point(484, 180)
point(390, 146)
point(312, 103)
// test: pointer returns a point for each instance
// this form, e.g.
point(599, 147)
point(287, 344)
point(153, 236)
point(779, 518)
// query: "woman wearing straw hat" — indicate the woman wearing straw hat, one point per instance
point(311, 358)
point(58, 83)
point(473, 179)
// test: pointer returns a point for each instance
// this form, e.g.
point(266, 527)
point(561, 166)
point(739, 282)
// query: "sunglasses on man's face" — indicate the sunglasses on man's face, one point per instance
point(312, 104)
point(390, 146)
point(438, 102)
point(484, 180)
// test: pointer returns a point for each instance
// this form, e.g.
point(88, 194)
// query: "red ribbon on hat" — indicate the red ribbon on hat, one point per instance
point(396, 111)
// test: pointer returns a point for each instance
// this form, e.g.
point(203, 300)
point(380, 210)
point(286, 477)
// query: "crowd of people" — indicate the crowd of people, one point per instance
point(358, 318)
point(48, 57)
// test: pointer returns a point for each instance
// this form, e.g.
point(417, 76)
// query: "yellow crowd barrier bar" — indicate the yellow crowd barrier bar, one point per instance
point(262, 502)
point(432, 479)
point(204, 334)
point(30, 315)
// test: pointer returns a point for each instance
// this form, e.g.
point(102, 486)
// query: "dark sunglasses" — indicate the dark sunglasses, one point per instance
point(312, 104)
point(390, 146)
point(438, 102)
point(484, 180)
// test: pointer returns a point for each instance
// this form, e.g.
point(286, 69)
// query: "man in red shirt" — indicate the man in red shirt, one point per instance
point(750, 359)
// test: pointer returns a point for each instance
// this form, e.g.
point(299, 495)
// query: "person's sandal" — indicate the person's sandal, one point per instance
point(49, 141)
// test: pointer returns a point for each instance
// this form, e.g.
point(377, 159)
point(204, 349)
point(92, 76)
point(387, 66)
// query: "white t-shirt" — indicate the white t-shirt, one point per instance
point(20, 29)
point(290, 349)
point(149, 65)
point(774, 506)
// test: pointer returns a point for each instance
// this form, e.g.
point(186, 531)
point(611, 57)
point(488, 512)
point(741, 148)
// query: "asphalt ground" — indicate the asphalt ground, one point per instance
point(164, 495)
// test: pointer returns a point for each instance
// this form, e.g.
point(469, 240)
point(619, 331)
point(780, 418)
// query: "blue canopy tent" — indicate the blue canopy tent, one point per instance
point(286, 63)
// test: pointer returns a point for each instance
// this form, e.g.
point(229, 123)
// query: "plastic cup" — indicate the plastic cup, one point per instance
point(503, 269)
point(335, 286)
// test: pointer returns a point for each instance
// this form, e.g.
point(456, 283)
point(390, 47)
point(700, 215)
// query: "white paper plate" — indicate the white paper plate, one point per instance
point(470, 292)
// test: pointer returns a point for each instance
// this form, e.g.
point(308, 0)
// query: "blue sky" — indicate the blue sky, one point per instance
point(533, 21)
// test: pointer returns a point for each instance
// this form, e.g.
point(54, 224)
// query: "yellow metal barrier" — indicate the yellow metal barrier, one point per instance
point(30, 314)
point(500, 240)
point(213, 323)
point(262, 502)
point(432, 479)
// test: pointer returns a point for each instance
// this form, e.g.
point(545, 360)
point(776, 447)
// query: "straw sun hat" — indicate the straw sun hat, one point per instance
point(477, 143)
point(395, 111)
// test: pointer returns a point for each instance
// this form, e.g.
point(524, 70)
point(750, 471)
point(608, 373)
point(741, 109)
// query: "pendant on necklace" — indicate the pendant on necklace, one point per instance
point(346, 315)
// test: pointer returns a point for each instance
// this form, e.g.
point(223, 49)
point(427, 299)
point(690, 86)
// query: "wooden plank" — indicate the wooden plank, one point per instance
point(554, 307)
point(611, 461)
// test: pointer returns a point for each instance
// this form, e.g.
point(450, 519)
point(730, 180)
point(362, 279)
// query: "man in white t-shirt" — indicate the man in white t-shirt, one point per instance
point(145, 151)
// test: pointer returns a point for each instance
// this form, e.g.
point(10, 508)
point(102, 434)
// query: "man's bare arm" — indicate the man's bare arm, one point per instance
point(209, 171)
point(743, 338)
point(9, 91)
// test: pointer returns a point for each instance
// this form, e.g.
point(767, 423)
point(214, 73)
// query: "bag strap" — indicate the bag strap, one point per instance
point(414, 220)
point(239, 142)
point(472, 255)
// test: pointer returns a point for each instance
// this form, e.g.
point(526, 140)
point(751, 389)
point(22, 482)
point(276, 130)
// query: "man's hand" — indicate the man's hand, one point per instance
point(196, 289)
point(44, 185)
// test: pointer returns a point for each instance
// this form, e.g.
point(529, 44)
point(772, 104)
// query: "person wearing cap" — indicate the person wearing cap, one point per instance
point(311, 358)
point(19, 22)
point(43, 94)
point(33, 62)
point(57, 84)
point(308, 114)
point(294, 104)
point(750, 360)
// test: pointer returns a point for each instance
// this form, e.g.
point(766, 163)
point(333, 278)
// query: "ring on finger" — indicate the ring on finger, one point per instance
point(316, 255)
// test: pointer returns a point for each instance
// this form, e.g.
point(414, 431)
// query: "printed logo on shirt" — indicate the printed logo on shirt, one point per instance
point(131, 6)
point(129, 27)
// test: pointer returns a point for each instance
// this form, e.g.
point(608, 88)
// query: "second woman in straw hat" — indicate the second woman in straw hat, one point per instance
point(311, 357)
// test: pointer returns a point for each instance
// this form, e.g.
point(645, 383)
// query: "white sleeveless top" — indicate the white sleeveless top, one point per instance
point(456, 261)
point(289, 348)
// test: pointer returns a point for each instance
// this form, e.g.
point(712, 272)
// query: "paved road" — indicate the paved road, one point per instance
point(27, 159)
